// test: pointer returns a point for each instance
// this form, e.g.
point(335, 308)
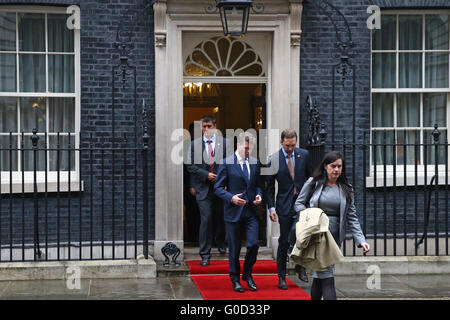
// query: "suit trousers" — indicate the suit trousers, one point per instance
point(286, 241)
point(211, 224)
point(249, 222)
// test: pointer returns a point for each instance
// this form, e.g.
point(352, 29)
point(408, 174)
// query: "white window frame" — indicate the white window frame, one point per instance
point(411, 178)
point(16, 185)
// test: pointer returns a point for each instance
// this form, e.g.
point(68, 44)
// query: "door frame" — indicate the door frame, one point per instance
point(171, 19)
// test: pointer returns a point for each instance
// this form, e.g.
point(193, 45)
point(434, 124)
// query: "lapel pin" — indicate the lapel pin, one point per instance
point(298, 156)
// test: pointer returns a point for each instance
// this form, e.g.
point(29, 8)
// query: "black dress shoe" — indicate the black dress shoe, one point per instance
point(301, 273)
point(222, 250)
point(205, 262)
point(237, 287)
point(282, 284)
point(251, 284)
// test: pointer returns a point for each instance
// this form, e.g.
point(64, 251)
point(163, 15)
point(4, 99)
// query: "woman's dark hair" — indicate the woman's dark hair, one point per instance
point(321, 176)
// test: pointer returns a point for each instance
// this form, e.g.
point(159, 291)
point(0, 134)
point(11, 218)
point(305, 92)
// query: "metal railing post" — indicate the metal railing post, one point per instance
point(145, 140)
point(34, 141)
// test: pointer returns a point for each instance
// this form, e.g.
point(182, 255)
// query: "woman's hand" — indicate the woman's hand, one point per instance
point(365, 246)
point(273, 216)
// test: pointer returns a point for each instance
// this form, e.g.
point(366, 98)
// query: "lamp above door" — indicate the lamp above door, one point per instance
point(234, 15)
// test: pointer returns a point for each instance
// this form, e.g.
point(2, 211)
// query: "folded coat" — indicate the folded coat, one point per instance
point(315, 247)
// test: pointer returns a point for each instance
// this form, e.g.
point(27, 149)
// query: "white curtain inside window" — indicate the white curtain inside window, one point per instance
point(434, 109)
point(384, 140)
point(8, 123)
point(436, 32)
point(7, 72)
point(408, 142)
point(383, 70)
point(436, 70)
point(60, 38)
point(7, 31)
point(408, 110)
point(66, 154)
point(382, 110)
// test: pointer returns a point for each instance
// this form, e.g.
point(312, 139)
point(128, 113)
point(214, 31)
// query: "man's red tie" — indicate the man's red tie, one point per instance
point(210, 155)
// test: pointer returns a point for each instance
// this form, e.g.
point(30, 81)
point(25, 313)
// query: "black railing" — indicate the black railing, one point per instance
point(403, 209)
point(90, 202)
point(73, 203)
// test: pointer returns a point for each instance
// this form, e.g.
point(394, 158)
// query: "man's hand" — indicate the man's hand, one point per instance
point(257, 200)
point(238, 201)
point(365, 246)
point(192, 191)
point(273, 216)
point(212, 177)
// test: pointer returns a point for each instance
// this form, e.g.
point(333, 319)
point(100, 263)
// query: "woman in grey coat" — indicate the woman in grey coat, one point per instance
point(330, 191)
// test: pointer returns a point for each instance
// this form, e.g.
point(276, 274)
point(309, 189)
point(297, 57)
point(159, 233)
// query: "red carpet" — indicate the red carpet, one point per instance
point(221, 267)
point(214, 283)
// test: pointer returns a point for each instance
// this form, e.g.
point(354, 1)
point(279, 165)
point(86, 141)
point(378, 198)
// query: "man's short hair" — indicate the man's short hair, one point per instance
point(208, 118)
point(288, 134)
point(246, 136)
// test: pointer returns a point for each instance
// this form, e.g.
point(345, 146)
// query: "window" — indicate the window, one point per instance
point(37, 84)
point(410, 87)
point(39, 88)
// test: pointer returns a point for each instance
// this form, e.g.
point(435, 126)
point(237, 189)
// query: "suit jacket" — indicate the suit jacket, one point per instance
point(315, 247)
point(231, 177)
point(285, 195)
point(198, 172)
point(348, 218)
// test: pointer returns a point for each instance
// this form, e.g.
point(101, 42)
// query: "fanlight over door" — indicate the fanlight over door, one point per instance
point(224, 57)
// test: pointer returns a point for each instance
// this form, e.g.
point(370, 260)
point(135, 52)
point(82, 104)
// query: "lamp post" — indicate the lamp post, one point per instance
point(234, 15)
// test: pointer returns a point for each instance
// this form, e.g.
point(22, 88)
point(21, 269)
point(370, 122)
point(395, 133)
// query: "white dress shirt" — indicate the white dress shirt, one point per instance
point(213, 143)
point(242, 161)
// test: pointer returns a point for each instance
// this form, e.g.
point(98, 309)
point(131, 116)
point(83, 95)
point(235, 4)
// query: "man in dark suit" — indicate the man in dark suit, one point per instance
point(206, 154)
point(238, 184)
point(294, 168)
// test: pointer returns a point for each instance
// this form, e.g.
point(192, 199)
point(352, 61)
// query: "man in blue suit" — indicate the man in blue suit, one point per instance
point(238, 184)
point(294, 168)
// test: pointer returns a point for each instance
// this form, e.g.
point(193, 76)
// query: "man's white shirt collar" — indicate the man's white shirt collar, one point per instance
point(213, 139)
point(240, 159)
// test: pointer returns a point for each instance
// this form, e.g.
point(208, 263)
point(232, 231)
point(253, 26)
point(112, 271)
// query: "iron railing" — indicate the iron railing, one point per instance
point(90, 203)
point(403, 209)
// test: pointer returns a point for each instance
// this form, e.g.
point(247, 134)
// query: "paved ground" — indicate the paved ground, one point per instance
point(176, 286)
point(182, 288)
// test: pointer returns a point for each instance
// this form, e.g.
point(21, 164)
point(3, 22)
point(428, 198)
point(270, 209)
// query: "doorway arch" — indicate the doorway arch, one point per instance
point(174, 20)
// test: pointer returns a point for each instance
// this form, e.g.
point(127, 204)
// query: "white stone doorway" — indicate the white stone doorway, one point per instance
point(179, 28)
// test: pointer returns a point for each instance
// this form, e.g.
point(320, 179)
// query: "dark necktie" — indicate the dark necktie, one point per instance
point(245, 170)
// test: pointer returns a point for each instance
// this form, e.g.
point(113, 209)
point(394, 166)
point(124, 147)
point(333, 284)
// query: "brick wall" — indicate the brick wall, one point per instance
point(99, 24)
point(318, 56)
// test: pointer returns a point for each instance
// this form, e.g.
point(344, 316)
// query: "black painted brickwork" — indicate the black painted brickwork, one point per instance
point(318, 55)
point(99, 24)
